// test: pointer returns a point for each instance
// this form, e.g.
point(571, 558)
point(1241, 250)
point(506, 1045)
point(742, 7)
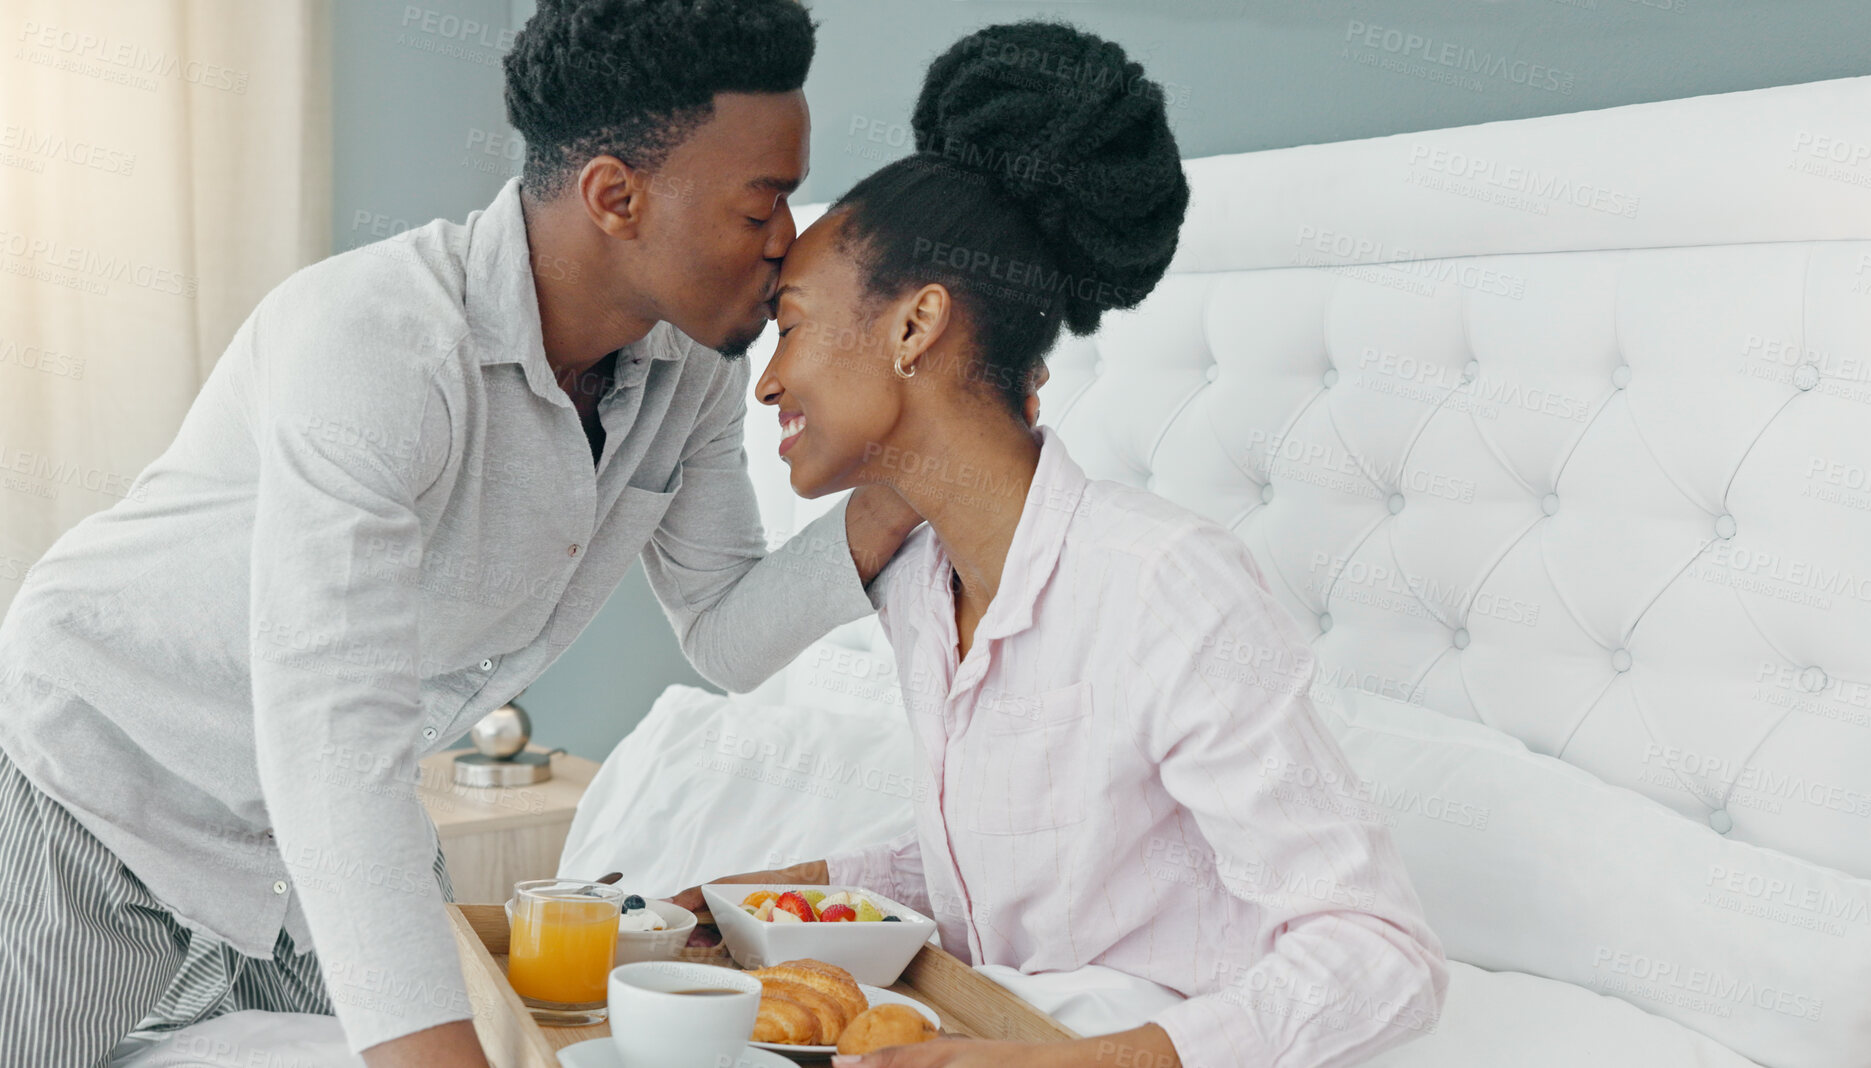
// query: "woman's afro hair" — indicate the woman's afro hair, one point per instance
point(633, 78)
point(1071, 131)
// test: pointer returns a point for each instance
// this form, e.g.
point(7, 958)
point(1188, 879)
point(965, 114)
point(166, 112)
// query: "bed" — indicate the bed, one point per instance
point(1554, 435)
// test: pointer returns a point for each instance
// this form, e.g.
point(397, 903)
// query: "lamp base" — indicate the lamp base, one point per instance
point(520, 769)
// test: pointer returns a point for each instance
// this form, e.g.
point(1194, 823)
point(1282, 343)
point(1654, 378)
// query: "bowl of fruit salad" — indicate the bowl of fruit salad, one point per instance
point(863, 932)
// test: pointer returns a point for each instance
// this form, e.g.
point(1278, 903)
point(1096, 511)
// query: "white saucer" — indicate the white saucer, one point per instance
point(876, 996)
point(602, 1053)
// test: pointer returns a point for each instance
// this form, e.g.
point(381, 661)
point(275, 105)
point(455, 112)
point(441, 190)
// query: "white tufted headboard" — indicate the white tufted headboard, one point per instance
point(1561, 424)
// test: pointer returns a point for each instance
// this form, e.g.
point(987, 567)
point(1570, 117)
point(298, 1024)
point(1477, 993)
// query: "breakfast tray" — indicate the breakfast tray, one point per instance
point(969, 1003)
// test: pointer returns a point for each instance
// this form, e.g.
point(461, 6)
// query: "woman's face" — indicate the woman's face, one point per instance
point(831, 377)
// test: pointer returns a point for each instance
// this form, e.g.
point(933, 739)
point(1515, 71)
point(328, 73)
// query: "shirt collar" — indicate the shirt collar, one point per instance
point(1051, 502)
point(503, 307)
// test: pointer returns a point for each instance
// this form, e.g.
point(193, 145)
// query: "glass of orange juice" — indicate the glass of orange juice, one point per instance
point(562, 940)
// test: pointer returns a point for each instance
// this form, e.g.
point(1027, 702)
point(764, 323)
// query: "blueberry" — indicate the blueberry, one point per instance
point(893, 919)
point(632, 903)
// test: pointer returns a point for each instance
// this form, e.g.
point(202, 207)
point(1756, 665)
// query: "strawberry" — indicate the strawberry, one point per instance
point(838, 913)
point(792, 902)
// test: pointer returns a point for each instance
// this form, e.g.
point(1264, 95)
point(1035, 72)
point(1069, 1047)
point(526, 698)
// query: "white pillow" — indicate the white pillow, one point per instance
point(708, 786)
point(849, 670)
point(1491, 1019)
point(1525, 863)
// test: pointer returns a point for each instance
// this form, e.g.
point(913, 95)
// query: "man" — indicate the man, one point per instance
point(406, 487)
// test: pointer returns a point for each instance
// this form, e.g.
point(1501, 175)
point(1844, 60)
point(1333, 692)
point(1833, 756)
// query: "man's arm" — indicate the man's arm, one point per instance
point(336, 662)
point(877, 519)
point(742, 613)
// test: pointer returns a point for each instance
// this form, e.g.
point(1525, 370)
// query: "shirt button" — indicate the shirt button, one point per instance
point(487, 665)
point(279, 886)
point(573, 551)
point(428, 732)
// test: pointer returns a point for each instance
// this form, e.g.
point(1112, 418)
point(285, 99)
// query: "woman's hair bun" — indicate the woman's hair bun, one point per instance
point(1072, 132)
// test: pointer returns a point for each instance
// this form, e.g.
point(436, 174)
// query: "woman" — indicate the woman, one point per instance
point(1108, 786)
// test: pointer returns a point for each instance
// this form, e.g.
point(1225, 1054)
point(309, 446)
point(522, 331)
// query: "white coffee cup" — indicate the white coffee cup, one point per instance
point(655, 1025)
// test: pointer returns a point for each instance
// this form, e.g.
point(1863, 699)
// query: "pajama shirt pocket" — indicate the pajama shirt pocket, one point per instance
point(1030, 762)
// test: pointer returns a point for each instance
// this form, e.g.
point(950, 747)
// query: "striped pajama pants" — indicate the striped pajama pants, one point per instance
point(87, 955)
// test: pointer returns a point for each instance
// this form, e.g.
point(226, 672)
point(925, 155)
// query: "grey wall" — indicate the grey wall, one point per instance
point(420, 132)
point(1242, 75)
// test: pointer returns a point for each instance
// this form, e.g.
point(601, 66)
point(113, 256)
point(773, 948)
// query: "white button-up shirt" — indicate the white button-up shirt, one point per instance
point(1125, 770)
point(379, 521)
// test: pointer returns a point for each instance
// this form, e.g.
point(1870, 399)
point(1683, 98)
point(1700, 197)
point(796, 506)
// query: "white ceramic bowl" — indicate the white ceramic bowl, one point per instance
point(633, 946)
point(873, 952)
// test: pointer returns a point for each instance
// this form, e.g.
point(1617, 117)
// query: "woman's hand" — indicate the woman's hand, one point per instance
point(961, 1053)
point(950, 1053)
point(807, 873)
point(1147, 1046)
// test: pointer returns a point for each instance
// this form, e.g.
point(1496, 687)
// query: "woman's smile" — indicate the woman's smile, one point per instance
point(792, 424)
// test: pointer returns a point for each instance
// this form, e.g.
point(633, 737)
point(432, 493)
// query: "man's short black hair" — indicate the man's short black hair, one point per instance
point(633, 78)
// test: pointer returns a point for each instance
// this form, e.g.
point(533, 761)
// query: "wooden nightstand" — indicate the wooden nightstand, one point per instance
point(492, 837)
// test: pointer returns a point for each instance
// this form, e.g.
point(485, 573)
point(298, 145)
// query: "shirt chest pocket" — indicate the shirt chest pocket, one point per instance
point(1030, 761)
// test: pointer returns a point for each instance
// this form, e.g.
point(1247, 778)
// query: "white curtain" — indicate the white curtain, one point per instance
point(163, 163)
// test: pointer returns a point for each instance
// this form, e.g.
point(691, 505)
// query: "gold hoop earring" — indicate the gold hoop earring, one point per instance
point(897, 366)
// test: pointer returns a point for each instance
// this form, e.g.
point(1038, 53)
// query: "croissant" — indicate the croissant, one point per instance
point(885, 1025)
point(830, 1012)
point(781, 1019)
point(828, 979)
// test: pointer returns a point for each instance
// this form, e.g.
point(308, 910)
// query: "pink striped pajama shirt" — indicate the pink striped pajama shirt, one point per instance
point(1125, 770)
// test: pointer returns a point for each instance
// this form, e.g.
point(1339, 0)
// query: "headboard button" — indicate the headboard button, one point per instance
point(1266, 493)
point(1621, 377)
point(1212, 372)
point(1325, 622)
point(1806, 376)
point(1813, 680)
point(1721, 821)
point(1330, 377)
point(1550, 504)
point(1724, 526)
point(1471, 370)
point(1621, 660)
point(1461, 637)
point(1395, 504)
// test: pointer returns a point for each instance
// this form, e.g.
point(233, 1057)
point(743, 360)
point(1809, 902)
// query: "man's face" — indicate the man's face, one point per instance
point(716, 223)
